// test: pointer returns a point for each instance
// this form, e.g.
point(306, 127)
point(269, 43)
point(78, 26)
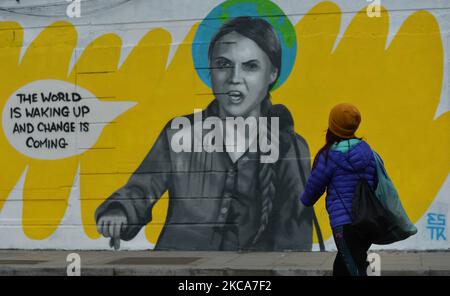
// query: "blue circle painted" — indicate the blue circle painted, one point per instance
point(227, 10)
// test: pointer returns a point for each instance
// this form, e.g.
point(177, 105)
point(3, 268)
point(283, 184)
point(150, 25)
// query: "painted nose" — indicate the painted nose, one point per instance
point(236, 76)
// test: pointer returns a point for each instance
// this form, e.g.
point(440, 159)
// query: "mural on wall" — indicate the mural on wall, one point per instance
point(225, 198)
point(88, 148)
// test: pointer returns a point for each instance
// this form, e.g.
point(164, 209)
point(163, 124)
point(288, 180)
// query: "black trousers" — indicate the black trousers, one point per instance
point(351, 259)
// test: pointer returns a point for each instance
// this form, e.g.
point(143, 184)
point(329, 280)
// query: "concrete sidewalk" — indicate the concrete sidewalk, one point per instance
point(157, 263)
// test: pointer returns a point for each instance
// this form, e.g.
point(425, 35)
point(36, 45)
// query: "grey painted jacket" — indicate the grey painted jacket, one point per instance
point(215, 204)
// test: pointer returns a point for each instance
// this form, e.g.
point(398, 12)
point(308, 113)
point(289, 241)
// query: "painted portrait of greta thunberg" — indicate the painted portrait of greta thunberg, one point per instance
point(224, 200)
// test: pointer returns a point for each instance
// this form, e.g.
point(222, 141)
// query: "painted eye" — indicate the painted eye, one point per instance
point(251, 66)
point(223, 64)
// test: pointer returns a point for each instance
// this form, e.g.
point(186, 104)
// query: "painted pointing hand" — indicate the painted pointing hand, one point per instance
point(112, 224)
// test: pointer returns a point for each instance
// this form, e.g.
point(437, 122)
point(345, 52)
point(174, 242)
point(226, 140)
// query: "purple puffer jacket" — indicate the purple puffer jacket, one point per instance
point(336, 173)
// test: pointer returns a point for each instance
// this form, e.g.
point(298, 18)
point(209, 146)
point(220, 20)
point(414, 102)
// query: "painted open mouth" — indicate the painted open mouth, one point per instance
point(235, 96)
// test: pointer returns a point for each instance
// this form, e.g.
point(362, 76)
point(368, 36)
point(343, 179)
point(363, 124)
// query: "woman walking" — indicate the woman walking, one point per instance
point(337, 168)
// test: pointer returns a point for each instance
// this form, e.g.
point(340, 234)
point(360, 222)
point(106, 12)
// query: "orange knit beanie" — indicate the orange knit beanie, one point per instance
point(344, 120)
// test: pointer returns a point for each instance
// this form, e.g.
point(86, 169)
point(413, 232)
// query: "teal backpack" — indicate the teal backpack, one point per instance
point(401, 227)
